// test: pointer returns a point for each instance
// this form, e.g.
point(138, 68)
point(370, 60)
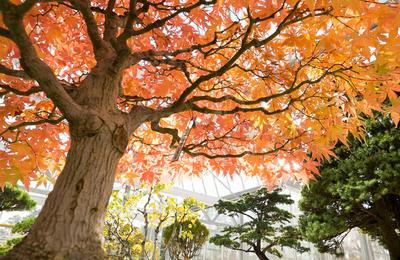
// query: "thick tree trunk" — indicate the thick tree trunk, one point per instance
point(392, 241)
point(70, 225)
point(395, 253)
point(388, 228)
point(261, 255)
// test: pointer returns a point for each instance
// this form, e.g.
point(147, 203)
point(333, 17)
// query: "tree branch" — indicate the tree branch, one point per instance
point(5, 33)
point(129, 32)
point(137, 116)
point(238, 155)
point(33, 123)
point(293, 87)
point(34, 66)
point(15, 73)
point(28, 92)
point(110, 23)
point(165, 130)
point(99, 45)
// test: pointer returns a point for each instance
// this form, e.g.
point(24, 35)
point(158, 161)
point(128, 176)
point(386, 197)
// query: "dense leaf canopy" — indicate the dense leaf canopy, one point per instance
point(360, 188)
point(269, 82)
point(14, 198)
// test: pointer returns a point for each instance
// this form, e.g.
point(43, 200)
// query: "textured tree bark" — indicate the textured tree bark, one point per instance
point(392, 241)
point(70, 225)
point(260, 254)
point(388, 228)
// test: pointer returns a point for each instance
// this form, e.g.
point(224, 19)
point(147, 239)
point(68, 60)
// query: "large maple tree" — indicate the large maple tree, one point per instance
point(270, 86)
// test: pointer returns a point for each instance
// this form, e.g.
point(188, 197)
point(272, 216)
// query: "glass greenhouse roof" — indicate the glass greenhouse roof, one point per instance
point(210, 187)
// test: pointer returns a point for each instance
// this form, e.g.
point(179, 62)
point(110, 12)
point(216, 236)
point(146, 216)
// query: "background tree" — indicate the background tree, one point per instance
point(265, 81)
point(185, 239)
point(21, 228)
point(14, 198)
point(360, 188)
point(124, 238)
point(266, 227)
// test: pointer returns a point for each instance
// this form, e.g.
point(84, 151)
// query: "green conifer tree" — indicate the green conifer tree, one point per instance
point(360, 188)
point(266, 227)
